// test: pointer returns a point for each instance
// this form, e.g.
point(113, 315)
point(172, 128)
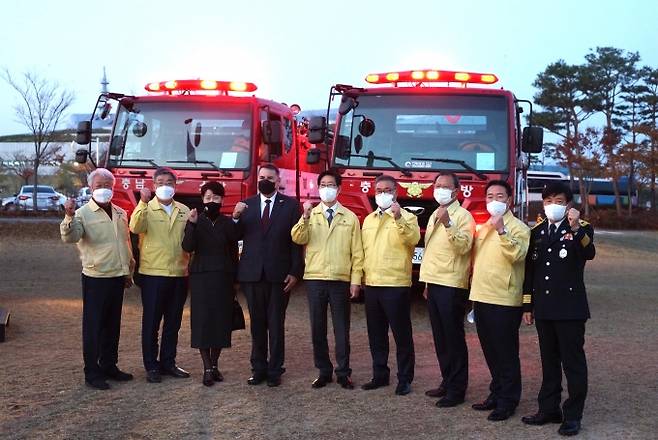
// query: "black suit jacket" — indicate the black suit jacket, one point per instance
point(554, 287)
point(270, 252)
point(215, 246)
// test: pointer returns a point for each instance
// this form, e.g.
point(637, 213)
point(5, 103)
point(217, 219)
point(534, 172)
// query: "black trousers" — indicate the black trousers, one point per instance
point(163, 299)
point(267, 304)
point(336, 294)
point(390, 306)
point(102, 299)
point(498, 331)
point(561, 346)
point(447, 308)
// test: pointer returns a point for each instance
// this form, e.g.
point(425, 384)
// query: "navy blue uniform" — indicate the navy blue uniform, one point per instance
point(554, 291)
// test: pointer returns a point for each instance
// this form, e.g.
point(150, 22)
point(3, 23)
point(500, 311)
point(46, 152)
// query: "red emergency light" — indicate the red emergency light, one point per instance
point(430, 75)
point(197, 85)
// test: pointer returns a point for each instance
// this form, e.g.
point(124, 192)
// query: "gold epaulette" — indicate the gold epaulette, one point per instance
point(527, 299)
point(541, 222)
point(583, 223)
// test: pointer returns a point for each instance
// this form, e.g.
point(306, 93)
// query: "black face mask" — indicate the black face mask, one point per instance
point(212, 209)
point(266, 187)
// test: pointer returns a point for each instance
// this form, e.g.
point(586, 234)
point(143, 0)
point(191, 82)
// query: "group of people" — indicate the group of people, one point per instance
point(508, 272)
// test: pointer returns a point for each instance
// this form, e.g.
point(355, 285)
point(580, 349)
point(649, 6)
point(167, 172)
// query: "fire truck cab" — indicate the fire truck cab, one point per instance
point(204, 130)
point(414, 124)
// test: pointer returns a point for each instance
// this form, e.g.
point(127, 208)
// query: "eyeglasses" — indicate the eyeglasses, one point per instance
point(328, 185)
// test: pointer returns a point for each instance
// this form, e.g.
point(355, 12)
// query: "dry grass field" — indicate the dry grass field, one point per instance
point(42, 392)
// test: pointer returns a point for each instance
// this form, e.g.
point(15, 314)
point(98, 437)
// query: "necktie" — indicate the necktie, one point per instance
point(265, 218)
point(330, 215)
point(551, 233)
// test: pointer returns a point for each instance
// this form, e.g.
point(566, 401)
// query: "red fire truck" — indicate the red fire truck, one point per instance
point(204, 130)
point(413, 124)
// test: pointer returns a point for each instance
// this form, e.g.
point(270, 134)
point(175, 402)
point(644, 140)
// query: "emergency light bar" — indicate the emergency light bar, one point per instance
point(431, 76)
point(193, 85)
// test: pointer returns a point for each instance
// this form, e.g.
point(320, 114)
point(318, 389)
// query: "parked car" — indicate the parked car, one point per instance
point(84, 195)
point(47, 198)
point(9, 203)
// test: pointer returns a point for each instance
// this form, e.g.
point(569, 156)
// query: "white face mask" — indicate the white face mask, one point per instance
point(496, 208)
point(328, 195)
point(384, 200)
point(165, 192)
point(443, 196)
point(555, 212)
point(102, 195)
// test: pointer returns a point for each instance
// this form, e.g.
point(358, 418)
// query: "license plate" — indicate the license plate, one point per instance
point(417, 257)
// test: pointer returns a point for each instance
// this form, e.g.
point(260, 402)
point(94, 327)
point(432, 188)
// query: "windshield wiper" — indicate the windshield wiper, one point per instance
point(458, 162)
point(371, 157)
point(207, 162)
point(149, 161)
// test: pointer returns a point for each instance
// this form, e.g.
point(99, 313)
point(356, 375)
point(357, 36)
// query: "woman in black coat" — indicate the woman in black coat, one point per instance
point(212, 238)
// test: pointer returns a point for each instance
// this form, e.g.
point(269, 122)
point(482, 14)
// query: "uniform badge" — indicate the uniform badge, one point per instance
point(568, 236)
point(563, 253)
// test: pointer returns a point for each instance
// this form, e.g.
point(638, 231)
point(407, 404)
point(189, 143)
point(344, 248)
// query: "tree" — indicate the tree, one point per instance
point(649, 128)
point(631, 143)
point(42, 104)
point(565, 107)
point(608, 71)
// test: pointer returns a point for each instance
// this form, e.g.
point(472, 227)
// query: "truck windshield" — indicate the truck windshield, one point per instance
point(408, 128)
point(182, 135)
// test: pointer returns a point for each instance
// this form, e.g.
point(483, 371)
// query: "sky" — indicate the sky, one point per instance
point(295, 50)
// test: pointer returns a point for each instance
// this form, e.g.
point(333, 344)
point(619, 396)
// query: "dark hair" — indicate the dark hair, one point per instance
point(163, 171)
point(502, 183)
point(270, 166)
point(331, 173)
point(455, 179)
point(214, 186)
point(385, 177)
point(554, 188)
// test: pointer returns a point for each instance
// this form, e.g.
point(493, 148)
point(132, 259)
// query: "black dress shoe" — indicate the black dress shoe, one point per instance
point(208, 378)
point(118, 375)
point(274, 381)
point(345, 382)
point(498, 415)
point(374, 384)
point(217, 375)
point(175, 371)
point(98, 384)
point(153, 376)
point(487, 405)
point(449, 402)
point(569, 427)
point(542, 418)
point(321, 381)
point(256, 379)
point(436, 392)
point(403, 388)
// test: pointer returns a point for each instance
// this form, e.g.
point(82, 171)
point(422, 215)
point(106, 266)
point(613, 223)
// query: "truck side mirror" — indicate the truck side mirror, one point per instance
point(343, 147)
point(105, 111)
point(272, 133)
point(83, 134)
point(81, 156)
point(313, 156)
point(317, 129)
point(116, 145)
point(347, 103)
point(532, 140)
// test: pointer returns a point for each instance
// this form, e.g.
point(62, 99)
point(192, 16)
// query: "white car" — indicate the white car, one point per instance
point(47, 198)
